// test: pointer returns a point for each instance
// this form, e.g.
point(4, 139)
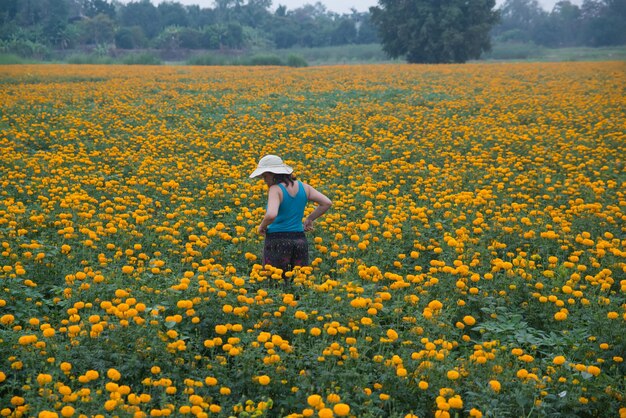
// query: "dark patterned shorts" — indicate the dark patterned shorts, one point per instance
point(286, 250)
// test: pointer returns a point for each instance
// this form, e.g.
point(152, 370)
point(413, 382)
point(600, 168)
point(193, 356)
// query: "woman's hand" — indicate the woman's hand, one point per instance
point(262, 230)
point(308, 225)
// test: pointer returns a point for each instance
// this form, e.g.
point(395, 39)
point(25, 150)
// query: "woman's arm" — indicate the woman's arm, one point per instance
point(273, 203)
point(323, 204)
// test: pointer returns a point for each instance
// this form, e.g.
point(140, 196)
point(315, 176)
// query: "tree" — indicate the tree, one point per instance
point(93, 8)
point(565, 21)
point(8, 11)
point(344, 33)
point(98, 30)
point(142, 14)
point(435, 31)
point(173, 14)
point(604, 22)
point(55, 23)
point(519, 19)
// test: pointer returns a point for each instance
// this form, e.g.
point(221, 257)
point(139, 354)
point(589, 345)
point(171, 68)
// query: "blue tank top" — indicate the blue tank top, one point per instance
point(290, 211)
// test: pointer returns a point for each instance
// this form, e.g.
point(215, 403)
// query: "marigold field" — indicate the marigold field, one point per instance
point(473, 262)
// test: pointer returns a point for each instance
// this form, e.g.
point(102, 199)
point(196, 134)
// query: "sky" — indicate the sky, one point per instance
point(340, 6)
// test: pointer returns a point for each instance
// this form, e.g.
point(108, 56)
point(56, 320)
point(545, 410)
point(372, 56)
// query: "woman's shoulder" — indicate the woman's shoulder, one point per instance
point(275, 188)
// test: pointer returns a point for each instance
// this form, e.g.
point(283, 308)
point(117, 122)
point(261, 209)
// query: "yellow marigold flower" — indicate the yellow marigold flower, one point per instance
point(495, 385)
point(469, 320)
point(110, 405)
point(435, 305)
point(325, 413)
point(341, 409)
point(475, 413)
point(594, 370)
point(44, 379)
point(314, 400)
point(92, 374)
point(453, 374)
point(67, 411)
point(27, 339)
point(7, 319)
point(455, 402)
point(264, 380)
point(301, 315)
point(114, 374)
point(558, 360)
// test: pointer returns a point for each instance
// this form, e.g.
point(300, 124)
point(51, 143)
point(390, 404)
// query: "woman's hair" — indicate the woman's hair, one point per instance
point(284, 178)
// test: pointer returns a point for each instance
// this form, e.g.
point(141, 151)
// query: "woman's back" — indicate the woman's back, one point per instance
point(291, 209)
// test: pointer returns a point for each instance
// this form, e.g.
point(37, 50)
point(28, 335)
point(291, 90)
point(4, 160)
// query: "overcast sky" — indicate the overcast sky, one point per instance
point(338, 6)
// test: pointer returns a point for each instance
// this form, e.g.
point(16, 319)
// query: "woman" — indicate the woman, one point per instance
point(285, 243)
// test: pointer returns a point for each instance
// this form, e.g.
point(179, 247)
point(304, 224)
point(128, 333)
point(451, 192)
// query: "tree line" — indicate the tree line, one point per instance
point(231, 24)
point(31, 27)
point(595, 23)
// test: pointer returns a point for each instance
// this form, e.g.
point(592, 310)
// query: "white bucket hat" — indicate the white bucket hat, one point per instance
point(272, 164)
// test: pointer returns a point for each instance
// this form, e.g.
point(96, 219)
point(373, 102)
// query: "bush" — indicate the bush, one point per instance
point(263, 60)
point(25, 49)
point(144, 58)
point(206, 59)
point(296, 61)
point(514, 51)
point(89, 59)
point(7, 59)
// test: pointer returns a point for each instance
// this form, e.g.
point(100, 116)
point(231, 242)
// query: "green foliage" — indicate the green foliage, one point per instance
point(430, 31)
point(261, 59)
point(144, 58)
point(296, 61)
point(520, 51)
point(25, 48)
point(130, 38)
point(248, 60)
point(6, 59)
point(330, 55)
point(514, 51)
point(206, 59)
point(424, 30)
point(92, 58)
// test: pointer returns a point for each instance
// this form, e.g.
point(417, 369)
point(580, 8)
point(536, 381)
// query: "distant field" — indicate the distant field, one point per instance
point(473, 263)
point(527, 52)
point(364, 54)
point(340, 55)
